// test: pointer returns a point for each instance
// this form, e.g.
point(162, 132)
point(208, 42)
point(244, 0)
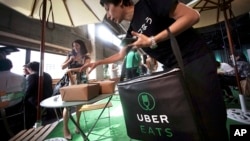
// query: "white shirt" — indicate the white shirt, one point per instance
point(224, 67)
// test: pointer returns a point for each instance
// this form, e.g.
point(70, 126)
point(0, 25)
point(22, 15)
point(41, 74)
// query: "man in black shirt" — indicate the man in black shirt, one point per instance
point(32, 91)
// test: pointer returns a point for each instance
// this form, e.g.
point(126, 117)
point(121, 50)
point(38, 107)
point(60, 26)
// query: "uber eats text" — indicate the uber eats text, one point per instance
point(154, 119)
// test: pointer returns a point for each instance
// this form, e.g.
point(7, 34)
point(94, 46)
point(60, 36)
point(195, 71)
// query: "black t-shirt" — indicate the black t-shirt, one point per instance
point(32, 87)
point(150, 18)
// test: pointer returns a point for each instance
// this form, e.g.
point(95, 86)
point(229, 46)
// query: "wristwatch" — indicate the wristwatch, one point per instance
point(153, 43)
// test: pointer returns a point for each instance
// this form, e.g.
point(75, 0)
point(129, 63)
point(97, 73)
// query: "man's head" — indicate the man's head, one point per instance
point(33, 67)
point(117, 10)
point(25, 70)
point(6, 64)
point(239, 56)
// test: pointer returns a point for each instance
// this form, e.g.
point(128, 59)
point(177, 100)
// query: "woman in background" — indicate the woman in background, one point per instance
point(77, 58)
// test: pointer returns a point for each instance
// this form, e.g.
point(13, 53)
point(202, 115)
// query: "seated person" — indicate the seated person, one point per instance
point(10, 82)
point(32, 91)
point(13, 85)
point(242, 65)
point(229, 78)
point(223, 67)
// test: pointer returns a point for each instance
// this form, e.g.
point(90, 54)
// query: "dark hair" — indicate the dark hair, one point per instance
point(83, 49)
point(116, 2)
point(241, 55)
point(34, 66)
point(6, 64)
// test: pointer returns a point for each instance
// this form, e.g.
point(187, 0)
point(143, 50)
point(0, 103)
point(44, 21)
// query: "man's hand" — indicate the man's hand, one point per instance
point(91, 66)
point(68, 70)
point(142, 40)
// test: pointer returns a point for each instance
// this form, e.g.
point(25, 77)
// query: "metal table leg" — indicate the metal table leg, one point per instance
point(93, 126)
point(77, 126)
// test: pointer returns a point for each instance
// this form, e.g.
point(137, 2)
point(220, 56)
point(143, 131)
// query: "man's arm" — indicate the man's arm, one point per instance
point(114, 58)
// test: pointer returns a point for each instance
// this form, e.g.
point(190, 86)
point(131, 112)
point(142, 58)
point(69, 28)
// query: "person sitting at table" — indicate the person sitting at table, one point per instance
point(223, 68)
point(13, 86)
point(10, 82)
point(229, 78)
point(31, 92)
point(75, 60)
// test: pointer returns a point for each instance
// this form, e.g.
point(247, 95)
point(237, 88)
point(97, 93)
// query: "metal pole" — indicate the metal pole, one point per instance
point(40, 83)
point(232, 50)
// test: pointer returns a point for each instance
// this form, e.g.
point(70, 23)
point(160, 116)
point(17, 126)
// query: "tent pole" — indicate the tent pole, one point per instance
point(41, 67)
point(232, 50)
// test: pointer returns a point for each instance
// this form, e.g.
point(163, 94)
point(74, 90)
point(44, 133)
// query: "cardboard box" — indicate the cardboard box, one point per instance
point(79, 92)
point(107, 86)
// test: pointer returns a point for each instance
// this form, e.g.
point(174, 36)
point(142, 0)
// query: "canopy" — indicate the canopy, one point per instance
point(211, 11)
point(64, 12)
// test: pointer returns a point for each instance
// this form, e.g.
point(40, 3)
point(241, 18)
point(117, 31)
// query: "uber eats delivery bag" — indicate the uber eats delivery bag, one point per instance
point(158, 106)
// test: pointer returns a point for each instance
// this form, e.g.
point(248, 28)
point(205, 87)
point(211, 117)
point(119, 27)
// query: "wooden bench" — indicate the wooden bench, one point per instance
point(34, 134)
point(94, 106)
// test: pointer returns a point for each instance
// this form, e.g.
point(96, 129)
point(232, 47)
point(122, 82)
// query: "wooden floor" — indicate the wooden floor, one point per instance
point(17, 126)
point(34, 134)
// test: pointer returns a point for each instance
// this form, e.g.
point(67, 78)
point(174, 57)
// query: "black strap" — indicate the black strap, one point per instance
point(176, 50)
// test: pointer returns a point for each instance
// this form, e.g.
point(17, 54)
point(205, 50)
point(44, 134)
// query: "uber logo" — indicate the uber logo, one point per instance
point(239, 132)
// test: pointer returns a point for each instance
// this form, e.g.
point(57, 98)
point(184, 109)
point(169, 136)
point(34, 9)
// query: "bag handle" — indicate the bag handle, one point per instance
point(176, 50)
point(177, 53)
